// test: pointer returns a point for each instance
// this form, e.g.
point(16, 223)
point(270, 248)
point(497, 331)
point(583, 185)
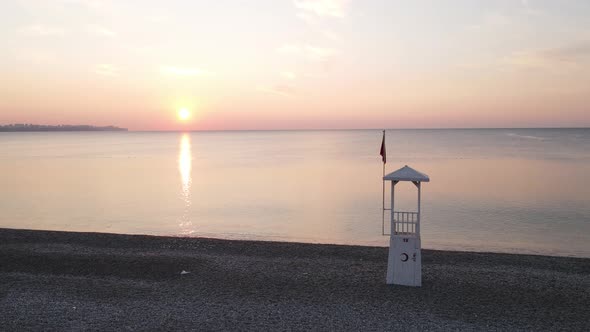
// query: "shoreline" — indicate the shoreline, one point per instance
point(71, 280)
point(471, 248)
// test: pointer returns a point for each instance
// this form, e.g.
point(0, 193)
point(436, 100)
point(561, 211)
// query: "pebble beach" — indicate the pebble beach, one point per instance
point(69, 281)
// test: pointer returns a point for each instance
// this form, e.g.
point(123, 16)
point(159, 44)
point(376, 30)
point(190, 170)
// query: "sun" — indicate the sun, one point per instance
point(184, 113)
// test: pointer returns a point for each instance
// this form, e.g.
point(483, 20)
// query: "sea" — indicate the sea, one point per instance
point(521, 191)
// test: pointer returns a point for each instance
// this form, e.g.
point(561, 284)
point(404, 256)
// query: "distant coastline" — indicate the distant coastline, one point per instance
point(33, 127)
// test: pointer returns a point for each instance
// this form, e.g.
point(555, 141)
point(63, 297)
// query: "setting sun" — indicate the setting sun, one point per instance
point(184, 114)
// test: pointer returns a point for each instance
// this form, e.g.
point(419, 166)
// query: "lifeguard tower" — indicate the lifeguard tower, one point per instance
point(404, 265)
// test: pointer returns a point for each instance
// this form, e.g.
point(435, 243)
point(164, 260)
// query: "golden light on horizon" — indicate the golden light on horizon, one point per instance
point(184, 114)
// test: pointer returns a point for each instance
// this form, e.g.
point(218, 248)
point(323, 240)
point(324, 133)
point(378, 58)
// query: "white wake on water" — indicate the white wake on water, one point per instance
point(526, 136)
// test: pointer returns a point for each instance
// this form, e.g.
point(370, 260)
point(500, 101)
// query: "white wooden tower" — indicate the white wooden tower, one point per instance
point(404, 265)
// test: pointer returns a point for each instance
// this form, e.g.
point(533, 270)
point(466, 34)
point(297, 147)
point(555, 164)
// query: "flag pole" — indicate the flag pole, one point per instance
point(383, 193)
point(383, 196)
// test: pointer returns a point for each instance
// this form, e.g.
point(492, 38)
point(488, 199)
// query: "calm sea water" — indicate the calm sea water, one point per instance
point(504, 190)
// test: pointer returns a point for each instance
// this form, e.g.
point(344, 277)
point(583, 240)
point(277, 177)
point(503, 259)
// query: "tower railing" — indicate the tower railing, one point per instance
point(405, 223)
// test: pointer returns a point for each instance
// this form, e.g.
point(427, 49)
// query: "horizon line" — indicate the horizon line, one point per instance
point(355, 129)
point(307, 129)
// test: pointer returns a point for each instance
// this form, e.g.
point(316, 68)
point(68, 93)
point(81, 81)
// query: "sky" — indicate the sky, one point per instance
point(296, 64)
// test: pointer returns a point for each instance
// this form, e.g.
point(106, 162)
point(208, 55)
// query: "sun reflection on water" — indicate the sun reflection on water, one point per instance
point(185, 160)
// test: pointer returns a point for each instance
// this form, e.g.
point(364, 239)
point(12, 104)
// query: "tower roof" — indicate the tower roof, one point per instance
point(406, 173)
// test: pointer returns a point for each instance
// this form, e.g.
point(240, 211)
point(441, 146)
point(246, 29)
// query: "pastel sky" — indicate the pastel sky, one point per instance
point(287, 64)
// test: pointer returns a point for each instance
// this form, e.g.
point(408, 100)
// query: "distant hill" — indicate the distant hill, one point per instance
point(19, 127)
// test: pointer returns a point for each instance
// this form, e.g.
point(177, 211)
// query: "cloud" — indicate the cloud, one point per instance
point(571, 54)
point(308, 18)
point(331, 35)
point(497, 19)
point(157, 18)
point(281, 90)
point(289, 49)
point(42, 30)
point(101, 31)
point(107, 70)
point(289, 75)
point(90, 4)
point(182, 71)
point(311, 52)
point(35, 56)
point(319, 53)
point(492, 21)
point(323, 8)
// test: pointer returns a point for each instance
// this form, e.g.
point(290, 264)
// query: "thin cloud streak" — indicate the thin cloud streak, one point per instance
point(309, 51)
point(323, 8)
point(107, 70)
point(182, 71)
point(289, 75)
point(573, 54)
point(329, 34)
point(42, 30)
point(101, 31)
point(281, 90)
point(36, 56)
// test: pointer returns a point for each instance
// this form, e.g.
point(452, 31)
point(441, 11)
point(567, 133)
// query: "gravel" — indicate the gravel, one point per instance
point(91, 281)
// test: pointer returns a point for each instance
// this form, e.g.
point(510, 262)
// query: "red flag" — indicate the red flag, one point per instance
point(383, 153)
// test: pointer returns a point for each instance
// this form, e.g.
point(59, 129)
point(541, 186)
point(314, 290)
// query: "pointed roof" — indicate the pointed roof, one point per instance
point(406, 173)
